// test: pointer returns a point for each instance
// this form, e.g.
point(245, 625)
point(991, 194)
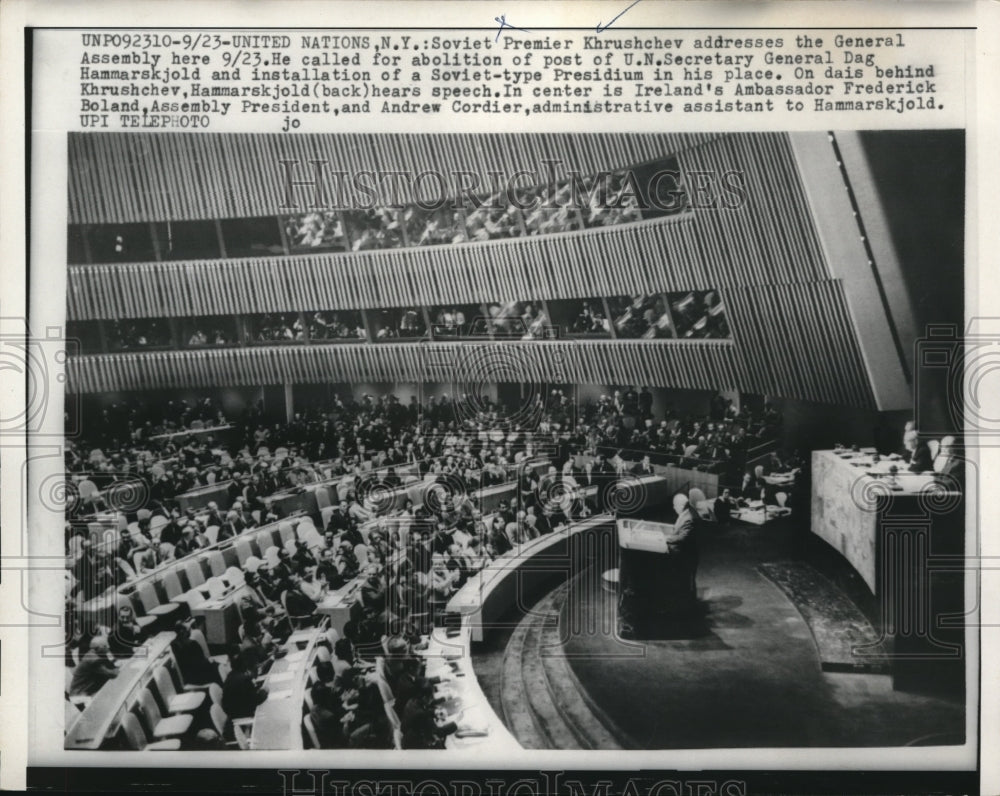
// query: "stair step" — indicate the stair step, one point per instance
point(560, 733)
point(544, 705)
point(595, 728)
point(514, 698)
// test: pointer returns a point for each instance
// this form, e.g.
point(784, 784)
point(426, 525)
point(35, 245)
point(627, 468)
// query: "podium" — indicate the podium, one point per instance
point(656, 595)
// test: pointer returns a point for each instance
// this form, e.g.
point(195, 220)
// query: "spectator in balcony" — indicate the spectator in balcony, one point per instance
point(590, 320)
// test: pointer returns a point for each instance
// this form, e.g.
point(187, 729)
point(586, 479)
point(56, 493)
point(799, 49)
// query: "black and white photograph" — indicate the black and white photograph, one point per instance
point(640, 442)
point(460, 399)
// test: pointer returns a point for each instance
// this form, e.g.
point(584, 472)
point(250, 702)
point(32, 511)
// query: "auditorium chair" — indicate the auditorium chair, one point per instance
point(212, 534)
point(322, 497)
point(394, 722)
point(299, 621)
point(145, 601)
point(242, 732)
point(310, 732)
point(311, 536)
point(126, 568)
point(156, 525)
point(217, 587)
point(253, 563)
point(171, 583)
point(199, 637)
point(234, 577)
point(325, 514)
point(216, 563)
point(211, 477)
point(136, 738)
point(271, 557)
point(220, 721)
point(173, 702)
point(89, 494)
point(71, 715)
point(158, 726)
point(244, 550)
point(193, 573)
point(287, 532)
point(934, 446)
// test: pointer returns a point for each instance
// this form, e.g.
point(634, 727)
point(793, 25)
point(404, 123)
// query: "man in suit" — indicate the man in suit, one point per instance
point(683, 543)
point(645, 467)
point(339, 520)
point(919, 457)
point(298, 604)
point(195, 667)
point(94, 669)
point(240, 695)
point(947, 466)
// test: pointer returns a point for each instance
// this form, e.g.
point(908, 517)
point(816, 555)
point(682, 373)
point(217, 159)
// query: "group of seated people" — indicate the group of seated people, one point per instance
point(922, 455)
point(690, 315)
point(404, 568)
point(569, 204)
point(360, 444)
point(199, 337)
point(718, 441)
point(405, 322)
point(652, 316)
point(138, 334)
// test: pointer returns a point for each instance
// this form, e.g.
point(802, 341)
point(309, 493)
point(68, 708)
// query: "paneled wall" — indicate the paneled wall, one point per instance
point(791, 326)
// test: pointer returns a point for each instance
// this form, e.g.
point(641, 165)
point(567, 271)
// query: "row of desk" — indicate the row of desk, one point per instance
point(101, 719)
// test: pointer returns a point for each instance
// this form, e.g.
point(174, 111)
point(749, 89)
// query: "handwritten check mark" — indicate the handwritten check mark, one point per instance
point(601, 27)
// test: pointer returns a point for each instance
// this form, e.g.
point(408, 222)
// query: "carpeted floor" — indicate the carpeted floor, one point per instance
point(752, 676)
point(845, 639)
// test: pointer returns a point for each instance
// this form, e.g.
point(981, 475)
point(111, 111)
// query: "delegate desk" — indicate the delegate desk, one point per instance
point(221, 617)
point(337, 604)
point(277, 723)
point(304, 498)
point(451, 659)
point(201, 496)
point(101, 610)
point(102, 717)
point(221, 431)
point(905, 536)
point(676, 478)
point(846, 490)
point(525, 571)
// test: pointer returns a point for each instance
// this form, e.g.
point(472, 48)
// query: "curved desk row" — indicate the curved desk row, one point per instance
point(101, 719)
point(517, 578)
point(277, 723)
point(212, 561)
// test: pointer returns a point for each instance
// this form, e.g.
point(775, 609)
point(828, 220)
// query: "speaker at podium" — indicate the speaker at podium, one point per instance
point(656, 578)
